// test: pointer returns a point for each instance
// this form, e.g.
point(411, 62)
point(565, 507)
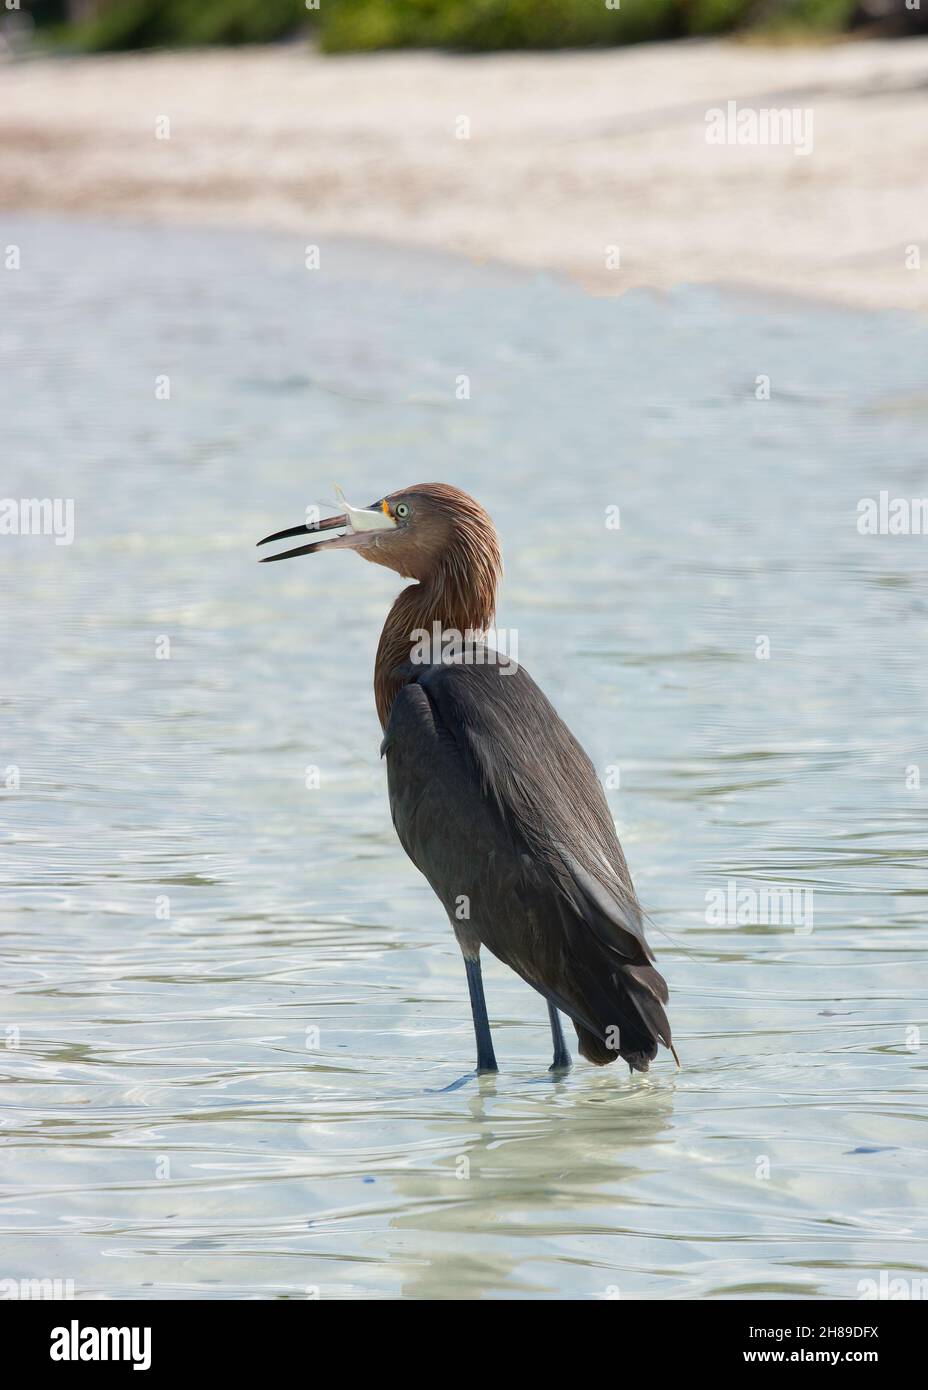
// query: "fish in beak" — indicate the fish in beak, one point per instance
point(357, 524)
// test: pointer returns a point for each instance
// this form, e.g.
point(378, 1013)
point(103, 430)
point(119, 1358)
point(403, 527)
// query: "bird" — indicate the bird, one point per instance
point(492, 797)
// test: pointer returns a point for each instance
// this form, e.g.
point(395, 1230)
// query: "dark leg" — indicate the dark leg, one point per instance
point(486, 1061)
point(561, 1055)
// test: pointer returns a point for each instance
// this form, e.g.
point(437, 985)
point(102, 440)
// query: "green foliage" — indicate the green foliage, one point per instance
point(717, 16)
point(821, 16)
point(486, 25)
point(178, 23)
point(469, 25)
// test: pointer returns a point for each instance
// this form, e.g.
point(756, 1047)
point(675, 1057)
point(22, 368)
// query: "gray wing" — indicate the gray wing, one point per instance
point(497, 804)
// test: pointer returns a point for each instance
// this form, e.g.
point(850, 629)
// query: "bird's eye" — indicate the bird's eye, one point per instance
point(401, 510)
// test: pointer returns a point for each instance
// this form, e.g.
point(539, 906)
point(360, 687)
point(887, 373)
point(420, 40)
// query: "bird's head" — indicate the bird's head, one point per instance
point(430, 532)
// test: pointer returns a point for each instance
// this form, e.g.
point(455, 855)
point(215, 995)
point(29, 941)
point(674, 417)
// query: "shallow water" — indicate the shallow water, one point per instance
point(172, 1126)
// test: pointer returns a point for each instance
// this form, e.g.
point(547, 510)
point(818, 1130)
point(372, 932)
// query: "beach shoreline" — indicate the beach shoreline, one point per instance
point(597, 164)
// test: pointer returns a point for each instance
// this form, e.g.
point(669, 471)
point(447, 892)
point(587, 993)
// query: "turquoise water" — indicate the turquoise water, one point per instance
point(230, 1003)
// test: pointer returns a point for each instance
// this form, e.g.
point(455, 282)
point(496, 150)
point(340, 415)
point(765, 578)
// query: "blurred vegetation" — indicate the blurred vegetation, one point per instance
point(480, 25)
point(469, 25)
point(92, 25)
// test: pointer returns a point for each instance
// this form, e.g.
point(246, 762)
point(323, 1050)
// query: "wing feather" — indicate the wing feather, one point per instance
point(497, 804)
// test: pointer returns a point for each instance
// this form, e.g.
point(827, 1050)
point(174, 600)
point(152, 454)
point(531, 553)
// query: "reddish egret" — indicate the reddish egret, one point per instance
point(492, 797)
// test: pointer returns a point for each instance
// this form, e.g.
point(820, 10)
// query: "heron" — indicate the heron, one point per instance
point(492, 797)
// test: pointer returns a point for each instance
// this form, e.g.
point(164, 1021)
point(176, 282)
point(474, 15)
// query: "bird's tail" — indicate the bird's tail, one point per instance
point(630, 1018)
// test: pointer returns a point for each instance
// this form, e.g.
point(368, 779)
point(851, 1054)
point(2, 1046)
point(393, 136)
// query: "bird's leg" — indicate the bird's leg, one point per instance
point(486, 1059)
point(561, 1055)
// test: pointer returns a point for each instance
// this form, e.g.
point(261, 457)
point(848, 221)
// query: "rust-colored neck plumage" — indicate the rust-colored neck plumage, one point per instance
point(458, 591)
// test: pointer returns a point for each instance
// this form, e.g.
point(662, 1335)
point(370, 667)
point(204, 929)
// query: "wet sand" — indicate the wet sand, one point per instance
point(596, 164)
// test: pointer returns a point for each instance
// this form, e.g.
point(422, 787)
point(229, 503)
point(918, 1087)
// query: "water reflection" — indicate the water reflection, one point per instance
point(523, 1178)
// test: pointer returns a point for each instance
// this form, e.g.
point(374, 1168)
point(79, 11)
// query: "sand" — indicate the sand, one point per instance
point(568, 154)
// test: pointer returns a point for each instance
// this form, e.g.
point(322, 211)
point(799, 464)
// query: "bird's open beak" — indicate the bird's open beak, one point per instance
point(356, 523)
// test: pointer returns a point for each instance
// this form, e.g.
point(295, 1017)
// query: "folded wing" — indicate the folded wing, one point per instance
point(498, 805)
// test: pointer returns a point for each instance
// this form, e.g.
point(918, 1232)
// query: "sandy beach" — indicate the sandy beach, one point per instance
point(596, 164)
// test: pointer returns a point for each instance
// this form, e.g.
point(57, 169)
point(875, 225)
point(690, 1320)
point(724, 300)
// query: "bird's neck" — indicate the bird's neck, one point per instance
point(446, 599)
